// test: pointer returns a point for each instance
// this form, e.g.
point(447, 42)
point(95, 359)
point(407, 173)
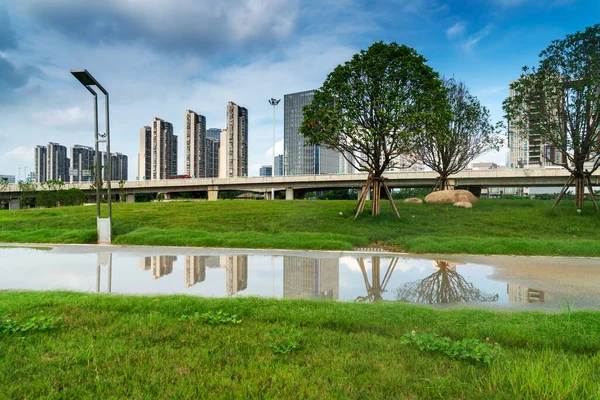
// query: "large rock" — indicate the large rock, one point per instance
point(463, 204)
point(450, 196)
point(413, 200)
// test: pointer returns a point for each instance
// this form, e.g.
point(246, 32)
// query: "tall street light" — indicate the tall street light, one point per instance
point(103, 224)
point(273, 102)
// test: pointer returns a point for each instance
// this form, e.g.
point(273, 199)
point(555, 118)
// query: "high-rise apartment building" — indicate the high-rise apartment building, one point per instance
point(194, 149)
point(526, 148)
point(212, 157)
point(40, 162)
point(278, 167)
point(298, 158)
point(266, 170)
point(119, 167)
point(57, 162)
point(145, 154)
point(163, 145)
point(233, 152)
point(310, 278)
point(82, 162)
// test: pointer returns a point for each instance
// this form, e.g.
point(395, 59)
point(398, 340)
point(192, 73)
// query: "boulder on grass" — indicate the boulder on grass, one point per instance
point(463, 204)
point(450, 197)
point(413, 200)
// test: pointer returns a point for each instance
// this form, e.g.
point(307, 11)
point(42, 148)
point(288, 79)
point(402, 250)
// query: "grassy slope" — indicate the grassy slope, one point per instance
point(491, 227)
point(135, 347)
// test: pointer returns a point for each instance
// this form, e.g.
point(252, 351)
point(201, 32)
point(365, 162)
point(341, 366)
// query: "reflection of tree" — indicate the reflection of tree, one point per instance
point(378, 285)
point(443, 286)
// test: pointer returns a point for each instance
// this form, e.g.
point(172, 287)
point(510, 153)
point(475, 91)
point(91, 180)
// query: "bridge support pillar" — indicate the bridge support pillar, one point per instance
point(289, 194)
point(267, 195)
point(213, 193)
point(130, 198)
point(360, 190)
point(14, 204)
point(167, 196)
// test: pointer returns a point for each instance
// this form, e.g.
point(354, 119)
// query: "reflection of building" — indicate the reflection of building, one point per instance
point(237, 273)
point(521, 294)
point(159, 265)
point(310, 278)
point(194, 269)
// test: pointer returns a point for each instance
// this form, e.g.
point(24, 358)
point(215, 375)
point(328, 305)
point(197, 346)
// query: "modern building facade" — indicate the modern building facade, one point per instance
point(8, 178)
point(214, 133)
point(57, 163)
point(298, 158)
point(233, 153)
point(194, 150)
point(266, 170)
point(40, 162)
point(145, 154)
point(278, 167)
point(163, 145)
point(82, 162)
point(119, 167)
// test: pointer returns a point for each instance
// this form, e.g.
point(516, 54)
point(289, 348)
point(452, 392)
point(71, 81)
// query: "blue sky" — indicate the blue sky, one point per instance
point(159, 58)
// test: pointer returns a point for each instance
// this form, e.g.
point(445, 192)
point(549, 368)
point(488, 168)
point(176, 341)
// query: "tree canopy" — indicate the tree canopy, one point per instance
point(373, 107)
point(450, 146)
point(559, 102)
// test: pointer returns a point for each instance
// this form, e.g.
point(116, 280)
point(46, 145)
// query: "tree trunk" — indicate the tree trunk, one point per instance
point(579, 191)
point(443, 182)
point(375, 209)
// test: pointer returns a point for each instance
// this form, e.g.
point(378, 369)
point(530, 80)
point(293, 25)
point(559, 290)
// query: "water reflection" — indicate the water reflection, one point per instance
point(377, 286)
point(444, 286)
point(303, 275)
point(521, 294)
point(311, 278)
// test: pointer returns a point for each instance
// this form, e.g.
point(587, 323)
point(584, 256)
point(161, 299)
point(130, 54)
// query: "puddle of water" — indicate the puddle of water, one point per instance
point(531, 284)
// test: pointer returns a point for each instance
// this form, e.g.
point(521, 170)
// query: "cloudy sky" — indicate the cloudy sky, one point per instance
point(159, 58)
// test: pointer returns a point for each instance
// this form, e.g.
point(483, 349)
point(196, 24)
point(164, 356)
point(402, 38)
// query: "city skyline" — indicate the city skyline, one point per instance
point(484, 44)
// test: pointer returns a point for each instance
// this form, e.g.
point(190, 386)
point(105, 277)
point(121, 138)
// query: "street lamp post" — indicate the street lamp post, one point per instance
point(273, 102)
point(103, 224)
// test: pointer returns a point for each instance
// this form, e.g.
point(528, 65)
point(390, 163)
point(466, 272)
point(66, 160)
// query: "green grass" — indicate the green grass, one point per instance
point(526, 227)
point(139, 347)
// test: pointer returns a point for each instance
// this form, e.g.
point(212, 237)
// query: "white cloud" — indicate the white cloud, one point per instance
point(458, 29)
point(475, 38)
point(67, 118)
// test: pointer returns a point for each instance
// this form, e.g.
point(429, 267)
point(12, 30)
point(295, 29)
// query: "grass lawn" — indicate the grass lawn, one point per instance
point(140, 347)
point(526, 227)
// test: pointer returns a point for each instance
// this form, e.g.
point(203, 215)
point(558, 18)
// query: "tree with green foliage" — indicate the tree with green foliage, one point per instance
point(372, 109)
point(3, 188)
point(28, 191)
point(450, 146)
point(559, 102)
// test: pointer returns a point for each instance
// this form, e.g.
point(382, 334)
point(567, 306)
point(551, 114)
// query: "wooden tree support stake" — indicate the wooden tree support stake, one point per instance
point(564, 189)
point(591, 189)
point(387, 190)
point(363, 197)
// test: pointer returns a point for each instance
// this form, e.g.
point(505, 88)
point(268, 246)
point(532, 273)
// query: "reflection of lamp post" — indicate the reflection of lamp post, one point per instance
point(273, 102)
point(102, 260)
point(103, 224)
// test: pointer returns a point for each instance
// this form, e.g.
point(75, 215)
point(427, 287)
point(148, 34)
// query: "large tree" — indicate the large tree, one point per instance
point(373, 107)
point(455, 142)
point(559, 102)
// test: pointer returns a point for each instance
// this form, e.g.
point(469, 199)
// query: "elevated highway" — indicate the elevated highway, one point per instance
point(294, 185)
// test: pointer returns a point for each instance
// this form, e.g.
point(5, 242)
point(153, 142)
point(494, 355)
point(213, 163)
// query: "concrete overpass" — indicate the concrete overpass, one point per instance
point(295, 185)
